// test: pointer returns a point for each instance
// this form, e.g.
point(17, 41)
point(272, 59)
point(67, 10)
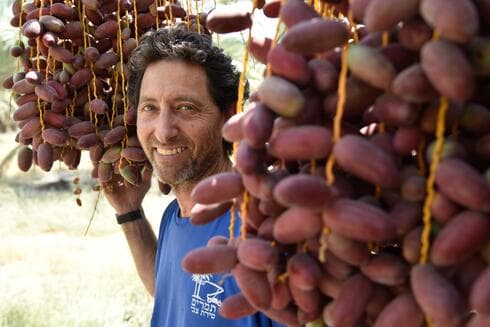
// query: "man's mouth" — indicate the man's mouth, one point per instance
point(170, 152)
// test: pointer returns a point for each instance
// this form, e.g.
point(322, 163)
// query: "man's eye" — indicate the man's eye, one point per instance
point(147, 108)
point(185, 107)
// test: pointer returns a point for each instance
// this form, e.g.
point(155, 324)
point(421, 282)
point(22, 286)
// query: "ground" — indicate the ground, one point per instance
point(50, 273)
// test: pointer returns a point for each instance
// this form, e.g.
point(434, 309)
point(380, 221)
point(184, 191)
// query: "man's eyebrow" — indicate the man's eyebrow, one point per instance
point(146, 98)
point(189, 99)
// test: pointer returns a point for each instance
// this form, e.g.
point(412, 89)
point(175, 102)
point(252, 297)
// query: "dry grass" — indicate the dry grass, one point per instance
point(52, 275)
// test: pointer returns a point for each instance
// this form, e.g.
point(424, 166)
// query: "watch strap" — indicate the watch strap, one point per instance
point(130, 216)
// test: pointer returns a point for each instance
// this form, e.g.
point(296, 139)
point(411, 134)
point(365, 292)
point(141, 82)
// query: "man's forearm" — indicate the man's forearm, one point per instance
point(143, 245)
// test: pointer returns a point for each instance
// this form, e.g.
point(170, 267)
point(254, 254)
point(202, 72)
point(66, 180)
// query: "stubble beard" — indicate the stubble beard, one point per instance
point(192, 170)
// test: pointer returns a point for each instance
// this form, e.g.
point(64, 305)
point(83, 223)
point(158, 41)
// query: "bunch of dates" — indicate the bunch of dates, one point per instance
point(361, 175)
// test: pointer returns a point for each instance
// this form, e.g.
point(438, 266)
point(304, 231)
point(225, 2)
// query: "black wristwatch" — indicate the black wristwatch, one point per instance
point(130, 216)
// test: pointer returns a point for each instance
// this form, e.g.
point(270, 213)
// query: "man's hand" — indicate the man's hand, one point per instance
point(125, 199)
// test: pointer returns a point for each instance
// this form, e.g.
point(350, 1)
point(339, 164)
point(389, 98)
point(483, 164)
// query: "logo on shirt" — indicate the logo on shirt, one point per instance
point(205, 301)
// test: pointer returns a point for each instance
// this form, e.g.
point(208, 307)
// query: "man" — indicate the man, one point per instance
point(184, 89)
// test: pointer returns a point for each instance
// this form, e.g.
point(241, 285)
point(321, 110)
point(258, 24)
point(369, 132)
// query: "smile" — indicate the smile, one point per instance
point(170, 152)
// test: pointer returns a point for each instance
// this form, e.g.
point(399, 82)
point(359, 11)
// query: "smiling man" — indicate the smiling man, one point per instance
point(179, 126)
point(184, 89)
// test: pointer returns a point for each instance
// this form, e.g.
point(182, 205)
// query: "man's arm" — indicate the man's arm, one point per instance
point(143, 245)
point(139, 234)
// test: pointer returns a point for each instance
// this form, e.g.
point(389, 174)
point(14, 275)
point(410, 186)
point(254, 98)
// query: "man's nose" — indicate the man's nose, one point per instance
point(166, 128)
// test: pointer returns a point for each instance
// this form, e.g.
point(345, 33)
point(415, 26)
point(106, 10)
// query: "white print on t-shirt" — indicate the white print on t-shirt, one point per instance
point(204, 300)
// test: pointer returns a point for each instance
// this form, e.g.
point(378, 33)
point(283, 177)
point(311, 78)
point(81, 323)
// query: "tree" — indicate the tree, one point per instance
point(199, 280)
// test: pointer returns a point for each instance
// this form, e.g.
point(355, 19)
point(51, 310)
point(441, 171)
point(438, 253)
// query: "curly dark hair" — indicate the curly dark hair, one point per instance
point(176, 43)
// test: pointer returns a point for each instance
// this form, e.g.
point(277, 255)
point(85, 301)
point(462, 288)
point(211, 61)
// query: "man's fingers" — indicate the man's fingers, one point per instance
point(116, 182)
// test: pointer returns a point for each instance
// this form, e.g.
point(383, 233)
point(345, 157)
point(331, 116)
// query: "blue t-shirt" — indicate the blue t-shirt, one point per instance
point(188, 300)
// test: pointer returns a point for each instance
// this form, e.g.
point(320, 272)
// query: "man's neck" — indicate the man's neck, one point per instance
point(183, 191)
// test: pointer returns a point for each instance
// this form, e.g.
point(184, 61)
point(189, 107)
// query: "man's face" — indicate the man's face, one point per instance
point(179, 125)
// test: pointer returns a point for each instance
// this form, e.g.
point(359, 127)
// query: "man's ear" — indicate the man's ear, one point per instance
point(230, 111)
